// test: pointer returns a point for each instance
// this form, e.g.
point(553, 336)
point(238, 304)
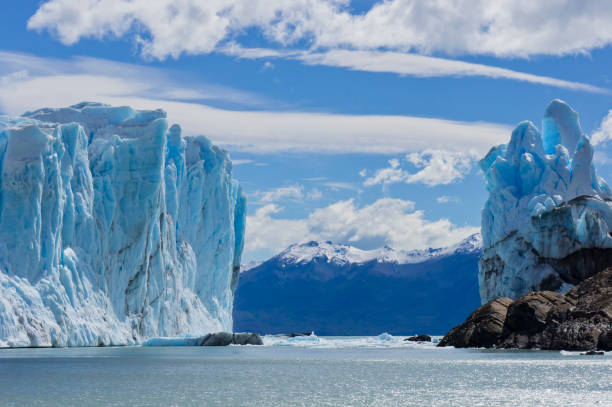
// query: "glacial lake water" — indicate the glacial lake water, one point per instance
point(373, 371)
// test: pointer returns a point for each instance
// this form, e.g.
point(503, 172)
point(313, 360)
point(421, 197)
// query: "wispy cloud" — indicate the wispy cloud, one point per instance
point(293, 192)
point(66, 82)
point(102, 77)
point(448, 199)
point(286, 193)
point(427, 66)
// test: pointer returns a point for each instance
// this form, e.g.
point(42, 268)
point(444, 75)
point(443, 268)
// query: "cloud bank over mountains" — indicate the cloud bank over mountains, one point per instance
point(383, 222)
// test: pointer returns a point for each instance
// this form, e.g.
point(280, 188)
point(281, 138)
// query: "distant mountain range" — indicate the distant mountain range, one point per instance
point(335, 289)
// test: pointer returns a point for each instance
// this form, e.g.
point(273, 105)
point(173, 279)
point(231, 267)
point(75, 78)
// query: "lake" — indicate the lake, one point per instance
point(310, 371)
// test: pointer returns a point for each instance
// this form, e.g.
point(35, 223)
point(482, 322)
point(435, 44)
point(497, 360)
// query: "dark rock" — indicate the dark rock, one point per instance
point(247, 338)
point(228, 338)
point(217, 339)
point(294, 334)
point(419, 338)
point(579, 320)
point(483, 328)
point(588, 323)
point(526, 318)
point(593, 353)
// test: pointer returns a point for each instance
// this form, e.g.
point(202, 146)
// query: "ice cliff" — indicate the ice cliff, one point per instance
point(113, 228)
point(547, 222)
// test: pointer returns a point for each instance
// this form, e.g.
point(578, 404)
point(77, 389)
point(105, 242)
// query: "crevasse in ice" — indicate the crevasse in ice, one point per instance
point(113, 228)
point(547, 222)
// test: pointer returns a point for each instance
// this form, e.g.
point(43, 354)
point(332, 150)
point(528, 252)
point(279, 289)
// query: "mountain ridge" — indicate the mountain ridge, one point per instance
point(313, 287)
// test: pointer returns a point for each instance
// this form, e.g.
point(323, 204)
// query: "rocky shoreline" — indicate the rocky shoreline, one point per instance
point(581, 319)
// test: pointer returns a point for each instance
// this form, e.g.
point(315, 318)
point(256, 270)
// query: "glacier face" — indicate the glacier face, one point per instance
point(113, 228)
point(547, 222)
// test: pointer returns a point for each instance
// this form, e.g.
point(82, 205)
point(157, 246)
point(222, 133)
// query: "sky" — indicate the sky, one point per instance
point(358, 122)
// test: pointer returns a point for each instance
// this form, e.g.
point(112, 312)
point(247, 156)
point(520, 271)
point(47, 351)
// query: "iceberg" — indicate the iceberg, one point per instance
point(546, 224)
point(114, 228)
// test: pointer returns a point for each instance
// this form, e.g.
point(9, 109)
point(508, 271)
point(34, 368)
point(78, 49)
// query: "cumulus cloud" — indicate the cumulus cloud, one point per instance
point(325, 32)
point(435, 167)
point(58, 83)
point(502, 27)
point(384, 222)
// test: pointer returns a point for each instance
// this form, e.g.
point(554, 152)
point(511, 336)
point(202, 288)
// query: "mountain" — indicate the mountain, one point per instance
point(113, 228)
point(546, 224)
point(336, 289)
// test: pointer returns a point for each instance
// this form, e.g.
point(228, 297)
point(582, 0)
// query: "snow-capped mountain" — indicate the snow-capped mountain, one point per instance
point(343, 254)
point(114, 227)
point(338, 289)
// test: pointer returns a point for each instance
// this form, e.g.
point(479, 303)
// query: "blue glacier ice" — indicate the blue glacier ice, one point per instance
point(547, 222)
point(114, 227)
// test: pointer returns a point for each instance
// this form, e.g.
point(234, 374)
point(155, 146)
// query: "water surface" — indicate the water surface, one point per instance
point(376, 371)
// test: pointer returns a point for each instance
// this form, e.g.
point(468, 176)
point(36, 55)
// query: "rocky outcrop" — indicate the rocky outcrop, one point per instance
point(578, 320)
point(419, 338)
point(228, 338)
point(526, 317)
point(482, 329)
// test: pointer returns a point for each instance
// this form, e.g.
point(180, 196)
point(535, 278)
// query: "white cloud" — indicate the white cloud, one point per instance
point(335, 37)
point(411, 64)
point(447, 199)
point(436, 167)
point(382, 222)
point(267, 65)
point(25, 78)
point(502, 27)
point(292, 192)
point(338, 185)
point(604, 132)
point(58, 83)
point(243, 162)
point(314, 195)
point(427, 66)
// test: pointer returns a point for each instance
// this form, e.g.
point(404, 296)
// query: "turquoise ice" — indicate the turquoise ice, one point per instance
point(113, 228)
point(548, 218)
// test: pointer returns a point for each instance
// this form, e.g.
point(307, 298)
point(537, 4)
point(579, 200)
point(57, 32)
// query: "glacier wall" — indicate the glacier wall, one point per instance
point(113, 228)
point(547, 222)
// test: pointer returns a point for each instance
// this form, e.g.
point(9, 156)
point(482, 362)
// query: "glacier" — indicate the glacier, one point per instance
point(114, 228)
point(546, 224)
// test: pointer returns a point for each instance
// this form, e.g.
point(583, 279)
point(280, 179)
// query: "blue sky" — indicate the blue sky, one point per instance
point(352, 121)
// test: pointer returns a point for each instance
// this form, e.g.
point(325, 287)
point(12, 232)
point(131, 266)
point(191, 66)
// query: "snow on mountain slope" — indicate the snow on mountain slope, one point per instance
point(547, 222)
point(344, 254)
point(113, 228)
point(336, 289)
